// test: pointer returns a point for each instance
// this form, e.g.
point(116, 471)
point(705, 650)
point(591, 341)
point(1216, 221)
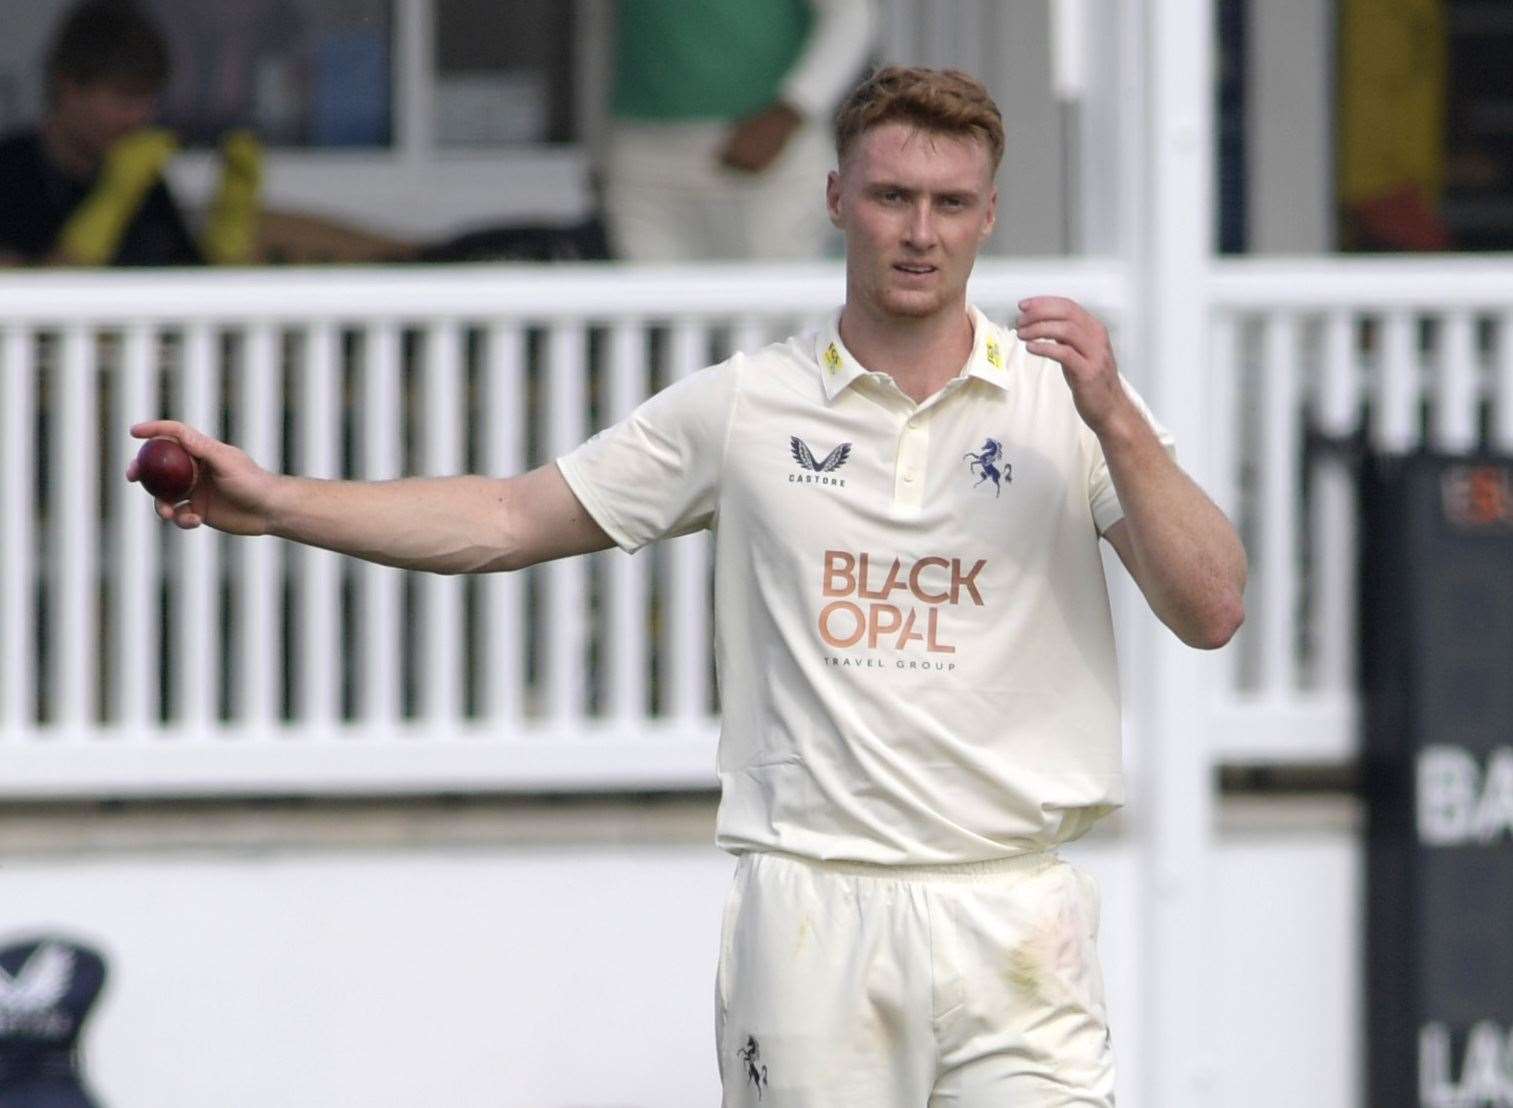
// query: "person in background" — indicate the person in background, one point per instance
point(86, 188)
point(1393, 65)
point(720, 129)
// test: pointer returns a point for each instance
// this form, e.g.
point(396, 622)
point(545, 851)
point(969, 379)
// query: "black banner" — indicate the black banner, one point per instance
point(1437, 614)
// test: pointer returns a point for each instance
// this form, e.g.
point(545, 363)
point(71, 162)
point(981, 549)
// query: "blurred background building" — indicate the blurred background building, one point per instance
point(346, 834)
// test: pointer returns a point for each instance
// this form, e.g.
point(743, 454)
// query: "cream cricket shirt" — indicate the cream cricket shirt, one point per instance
point(915, 654)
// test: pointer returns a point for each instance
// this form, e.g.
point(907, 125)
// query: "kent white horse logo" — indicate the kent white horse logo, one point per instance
point(756, 1074)
point(985, 465)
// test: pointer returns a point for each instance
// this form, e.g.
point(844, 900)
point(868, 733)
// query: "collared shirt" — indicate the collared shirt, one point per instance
point(913, 637)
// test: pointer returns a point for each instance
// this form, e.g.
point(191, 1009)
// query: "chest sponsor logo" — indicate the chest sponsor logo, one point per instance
point(986, 464)
point(817, 471)
point(886, 603)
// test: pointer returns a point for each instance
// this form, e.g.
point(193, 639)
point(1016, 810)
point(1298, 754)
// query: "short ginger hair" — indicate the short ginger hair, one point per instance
point(942, 101)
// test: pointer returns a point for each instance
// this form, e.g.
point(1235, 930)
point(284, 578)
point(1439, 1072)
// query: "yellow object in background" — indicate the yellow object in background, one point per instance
point(231, 231)
point(134, 164)
point(1393, 61)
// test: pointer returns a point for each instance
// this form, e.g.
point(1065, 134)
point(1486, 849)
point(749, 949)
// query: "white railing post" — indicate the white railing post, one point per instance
point(74, 526)
point(196, 589)
point(318, 649)
point(1174, 802)
point(136, 525)
point(566, 602)
point(1275, 557)
point(502, 665)
point(18, 527)
point(441, 641)
point(1337, 407)
point(260, 407)
point(1455, 386)
point(381, 688)
point(1395, 400)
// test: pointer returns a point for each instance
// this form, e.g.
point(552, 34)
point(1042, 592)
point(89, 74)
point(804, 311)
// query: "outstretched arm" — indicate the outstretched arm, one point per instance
point(441, 524)
point(1180, 549)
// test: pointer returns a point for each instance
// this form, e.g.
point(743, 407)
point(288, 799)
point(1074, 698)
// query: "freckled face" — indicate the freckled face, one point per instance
point(915, 207)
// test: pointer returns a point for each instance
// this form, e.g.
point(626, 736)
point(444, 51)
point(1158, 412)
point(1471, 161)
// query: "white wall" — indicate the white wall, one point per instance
point(494, 954)
point(322, 966)
point(1288, 1002)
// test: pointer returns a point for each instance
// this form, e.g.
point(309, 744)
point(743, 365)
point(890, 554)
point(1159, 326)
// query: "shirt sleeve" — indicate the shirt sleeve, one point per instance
point(839, 41)
point(1101, 494)
point(657, 472)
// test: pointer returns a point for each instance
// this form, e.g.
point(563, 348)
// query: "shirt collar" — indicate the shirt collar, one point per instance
point(837, 367)
point(993, 352)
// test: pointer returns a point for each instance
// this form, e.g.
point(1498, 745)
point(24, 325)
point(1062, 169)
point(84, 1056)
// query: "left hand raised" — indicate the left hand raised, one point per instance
point(1062, 330)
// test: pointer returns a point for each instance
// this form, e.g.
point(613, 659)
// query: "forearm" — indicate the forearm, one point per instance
point(1182, 551)
point(437, 524)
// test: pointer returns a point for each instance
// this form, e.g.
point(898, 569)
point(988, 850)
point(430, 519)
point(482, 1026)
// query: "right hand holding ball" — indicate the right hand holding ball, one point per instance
point(199, 480)
point(166, 469)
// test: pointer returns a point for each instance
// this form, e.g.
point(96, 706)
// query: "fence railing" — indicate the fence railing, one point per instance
point(135, 658)
point(1314, 363)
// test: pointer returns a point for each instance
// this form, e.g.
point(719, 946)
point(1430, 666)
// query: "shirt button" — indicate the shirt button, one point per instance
point(909, 478)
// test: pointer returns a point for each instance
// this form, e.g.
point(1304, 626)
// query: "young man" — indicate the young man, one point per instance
point(86, 187)
point(916, 659)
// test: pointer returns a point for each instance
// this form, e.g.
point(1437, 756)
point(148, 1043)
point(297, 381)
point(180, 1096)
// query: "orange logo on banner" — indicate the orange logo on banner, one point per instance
point(1478, 496)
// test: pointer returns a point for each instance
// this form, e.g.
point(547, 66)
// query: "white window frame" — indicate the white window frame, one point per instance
point(414, 188)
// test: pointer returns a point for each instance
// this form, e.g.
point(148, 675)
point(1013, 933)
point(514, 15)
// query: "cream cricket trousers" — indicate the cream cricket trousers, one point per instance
point(668, 199)
point(973, 986)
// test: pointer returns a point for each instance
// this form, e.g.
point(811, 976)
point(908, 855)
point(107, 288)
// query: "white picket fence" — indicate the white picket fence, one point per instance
point(1313, 362)
point(136, 659)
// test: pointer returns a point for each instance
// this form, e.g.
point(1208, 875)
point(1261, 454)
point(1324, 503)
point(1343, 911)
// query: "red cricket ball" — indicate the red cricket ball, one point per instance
point(166, 469)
